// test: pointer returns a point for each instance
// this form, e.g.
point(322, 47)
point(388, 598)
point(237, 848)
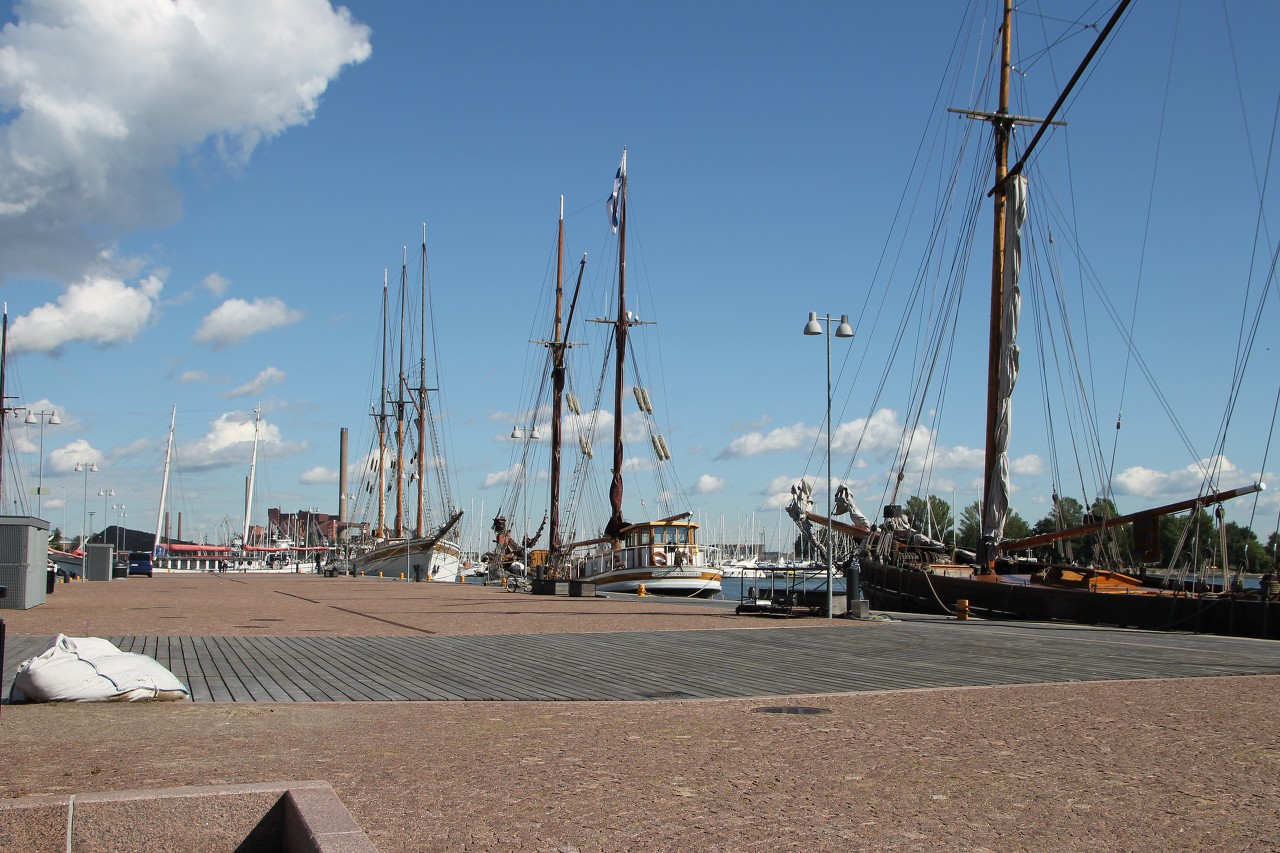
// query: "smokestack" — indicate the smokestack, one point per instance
point(342, 477)
point(179, 526)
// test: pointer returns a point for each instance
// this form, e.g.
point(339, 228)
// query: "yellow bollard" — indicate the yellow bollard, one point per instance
point(379, 573)
point(461, 579)
point(962, 609)
point(640, 590)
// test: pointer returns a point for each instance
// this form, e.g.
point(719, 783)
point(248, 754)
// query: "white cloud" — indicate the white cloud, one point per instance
point(234, 320)
point(707, 484)
point(1184, 482)
point(64, 459)
point(264, 380)
point(193, 376)
point(106, 98)
point(502, 478)
point(229, 442)
point(756, 444)
point(100, 310)
point(318, 474)
point(215, 284)
point(1030, 465)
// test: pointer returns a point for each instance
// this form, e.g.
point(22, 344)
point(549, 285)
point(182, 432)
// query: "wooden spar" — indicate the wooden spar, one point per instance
point(381, 415)
point(857, 531)
point(615, 487)
point(1001, 127)
point(1168, 509)
point(399, 401)
point(557, 390)
point(420, 527)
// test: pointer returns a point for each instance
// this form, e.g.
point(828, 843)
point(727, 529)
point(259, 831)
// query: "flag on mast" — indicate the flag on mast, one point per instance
point(612, 205)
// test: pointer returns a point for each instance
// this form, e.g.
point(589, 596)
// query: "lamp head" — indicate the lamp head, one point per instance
point(30, 418)
point(54, 420)
point(844, 330)
point(813, 327)
point(517, 433)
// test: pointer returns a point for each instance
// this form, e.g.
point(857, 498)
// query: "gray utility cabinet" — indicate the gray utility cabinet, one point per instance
point(24, 561)
point(97, 564)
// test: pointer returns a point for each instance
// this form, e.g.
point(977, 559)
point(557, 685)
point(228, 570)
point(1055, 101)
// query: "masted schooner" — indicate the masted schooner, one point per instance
point(661, 556)
point(414, 536)
point(902, 564)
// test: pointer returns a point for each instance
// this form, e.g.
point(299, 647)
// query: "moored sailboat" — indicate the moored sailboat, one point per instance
point(404, 426)
point(662, 556)
point(901, 567)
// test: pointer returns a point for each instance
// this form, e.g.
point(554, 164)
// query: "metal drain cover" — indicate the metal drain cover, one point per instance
point(791, 709)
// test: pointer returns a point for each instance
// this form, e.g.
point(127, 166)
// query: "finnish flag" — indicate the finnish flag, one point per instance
point(612, 205)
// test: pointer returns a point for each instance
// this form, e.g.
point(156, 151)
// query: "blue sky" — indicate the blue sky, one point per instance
point(201, 199)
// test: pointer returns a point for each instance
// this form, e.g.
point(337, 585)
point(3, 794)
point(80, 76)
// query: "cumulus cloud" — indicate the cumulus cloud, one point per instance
point(502, 478)
point(229, 442)
point(707, 484)
point(193, 376)
point(1030, 465)
point(1184, 482)
point(318, 474)
point(104, 311)
point(264, 380)
point(215, 284)
point(65, 459)
point(234, 320)
point(104, 100)
point(756, 443)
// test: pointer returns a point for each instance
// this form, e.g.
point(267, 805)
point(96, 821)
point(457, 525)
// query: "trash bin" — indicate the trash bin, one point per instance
point(52, 582)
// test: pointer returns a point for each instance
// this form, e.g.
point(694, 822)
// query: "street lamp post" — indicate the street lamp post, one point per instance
point(104, 494)
point(41, 418)
point(120, 515)
point(86, 467)
point(817, 326)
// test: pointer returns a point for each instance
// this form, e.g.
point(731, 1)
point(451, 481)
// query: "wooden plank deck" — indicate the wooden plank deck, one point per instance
point(918, 652)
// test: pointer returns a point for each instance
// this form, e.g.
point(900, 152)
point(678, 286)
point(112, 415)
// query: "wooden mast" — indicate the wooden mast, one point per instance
point(420, 527)
point(616, 522)
point(1002, 125)
point(557, 394)
point(381, 416)
point(398, 530)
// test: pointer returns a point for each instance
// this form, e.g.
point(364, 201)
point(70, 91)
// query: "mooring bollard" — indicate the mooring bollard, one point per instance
point(962, 609)
point(640, 590)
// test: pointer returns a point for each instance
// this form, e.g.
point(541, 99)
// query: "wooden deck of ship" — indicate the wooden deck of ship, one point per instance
point(907, 653)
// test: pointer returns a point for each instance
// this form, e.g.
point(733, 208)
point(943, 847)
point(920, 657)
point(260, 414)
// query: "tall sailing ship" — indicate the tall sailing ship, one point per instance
point(902, 565)
point(405, 489)
point(662, 556)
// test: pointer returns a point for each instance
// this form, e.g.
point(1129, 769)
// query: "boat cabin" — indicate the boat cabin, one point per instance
point(660, 544)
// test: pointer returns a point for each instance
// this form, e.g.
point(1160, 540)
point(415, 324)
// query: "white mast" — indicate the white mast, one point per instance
point(253, 463)
point(164, 483)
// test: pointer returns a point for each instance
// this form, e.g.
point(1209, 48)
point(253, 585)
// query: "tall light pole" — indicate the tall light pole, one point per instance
point(86, 467)
point(816, 326)
point(41, 418)
point(104, 494)
point(120, 516)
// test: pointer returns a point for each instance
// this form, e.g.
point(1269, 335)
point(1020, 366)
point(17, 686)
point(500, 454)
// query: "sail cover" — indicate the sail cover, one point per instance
point(997, 508)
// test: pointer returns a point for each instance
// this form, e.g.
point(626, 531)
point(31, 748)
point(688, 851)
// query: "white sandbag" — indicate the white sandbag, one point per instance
point(91, 669)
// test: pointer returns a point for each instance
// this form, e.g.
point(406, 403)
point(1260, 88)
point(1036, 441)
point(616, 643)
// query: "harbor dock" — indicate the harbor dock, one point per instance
point(456, 716)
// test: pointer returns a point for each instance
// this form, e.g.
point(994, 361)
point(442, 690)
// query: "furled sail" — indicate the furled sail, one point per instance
point(997, 509)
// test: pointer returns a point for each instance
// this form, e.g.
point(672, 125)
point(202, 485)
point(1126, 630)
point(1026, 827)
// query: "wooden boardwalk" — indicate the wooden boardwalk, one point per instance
point(912, 653)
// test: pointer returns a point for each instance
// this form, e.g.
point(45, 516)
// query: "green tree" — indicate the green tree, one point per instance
point(1016, 527)
point(933, 515)
point(970, 526)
